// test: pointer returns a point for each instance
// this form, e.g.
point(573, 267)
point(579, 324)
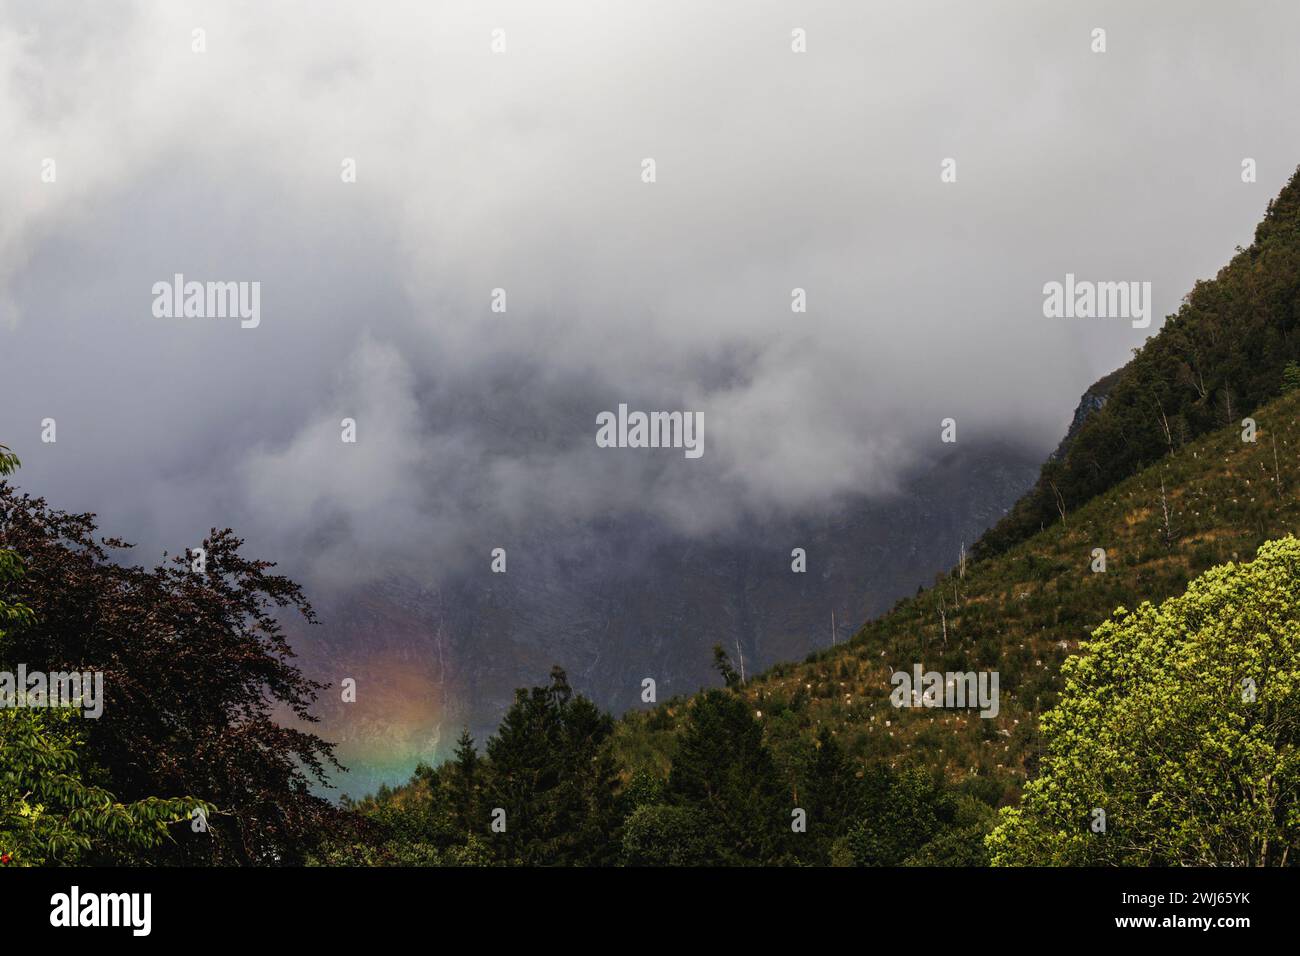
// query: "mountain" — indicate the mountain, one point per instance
point(882, 785)
point(1091, 402)
point(1146, 493)
point(627, 601)
point(1213, 362)
point(1154, 470)
point(1022, 612)
point(630, 600)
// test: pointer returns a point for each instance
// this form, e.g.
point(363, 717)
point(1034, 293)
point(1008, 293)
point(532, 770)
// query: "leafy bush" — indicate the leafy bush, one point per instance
point(1182, 723)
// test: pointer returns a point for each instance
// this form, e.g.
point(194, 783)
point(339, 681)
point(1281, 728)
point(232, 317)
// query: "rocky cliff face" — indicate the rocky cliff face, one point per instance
point(1093, 400)
point(628, 600)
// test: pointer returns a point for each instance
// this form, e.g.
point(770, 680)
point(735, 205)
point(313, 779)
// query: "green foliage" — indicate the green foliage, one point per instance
point(416, 830)
point(1182, 722)
point(830, 794)
point(724, 773)
point(550, 770)
point(664, 835)
point(643, 789)
point(902, 813)
point(194, 665)
point(49, 812)
point(722, 664)
point(1291, 377)
point(465, 784)
point(419, 824)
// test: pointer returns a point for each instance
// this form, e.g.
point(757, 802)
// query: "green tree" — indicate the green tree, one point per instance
point(1291, 377)
point(722, 664)
point(900, 813)
point(551, 771)
point(725, 773)
point(1180, 723)
point(464, 785)
point(962, 843)
point(664, 835)
point(828, 794)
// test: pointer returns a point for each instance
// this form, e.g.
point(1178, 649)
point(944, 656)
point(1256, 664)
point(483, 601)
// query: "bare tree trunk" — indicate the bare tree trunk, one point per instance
point(1227, 404)
point(1164, 425)
point(1277, 472)
point(1164, 506)
point(1060, 502)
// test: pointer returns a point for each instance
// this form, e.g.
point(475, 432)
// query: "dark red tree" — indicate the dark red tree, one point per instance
point(201, 695)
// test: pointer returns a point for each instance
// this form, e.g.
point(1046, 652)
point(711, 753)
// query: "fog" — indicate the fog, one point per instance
point(522, 170)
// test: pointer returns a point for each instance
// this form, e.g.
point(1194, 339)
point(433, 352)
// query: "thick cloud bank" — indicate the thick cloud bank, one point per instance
point(522, 171)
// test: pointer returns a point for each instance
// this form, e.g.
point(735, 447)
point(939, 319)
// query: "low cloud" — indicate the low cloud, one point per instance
point(521, 171)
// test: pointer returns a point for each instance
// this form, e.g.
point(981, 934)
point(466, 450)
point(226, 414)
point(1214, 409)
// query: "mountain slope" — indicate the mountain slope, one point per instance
point(630, 600)
point(1021, 612)
point(1217, 359)
point(1151, 476)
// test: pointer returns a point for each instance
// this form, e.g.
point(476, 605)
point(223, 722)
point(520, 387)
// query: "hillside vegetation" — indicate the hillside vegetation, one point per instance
point(1022, 613)
point(1159, 481)
point(1214, 361)
point(1175, 740)
point(811, 763)
point(1140, 609)
point(1158, 476)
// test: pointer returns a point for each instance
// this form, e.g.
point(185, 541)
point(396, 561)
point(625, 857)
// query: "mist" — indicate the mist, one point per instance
point(522, 171)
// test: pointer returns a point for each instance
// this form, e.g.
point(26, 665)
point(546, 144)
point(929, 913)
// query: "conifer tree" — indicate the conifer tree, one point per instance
point(552, 775)
point(725, 773)
point(828, 796)
point(465, 783)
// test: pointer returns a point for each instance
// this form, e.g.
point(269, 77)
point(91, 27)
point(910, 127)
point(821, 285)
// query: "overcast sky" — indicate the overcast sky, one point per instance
point(522, 170)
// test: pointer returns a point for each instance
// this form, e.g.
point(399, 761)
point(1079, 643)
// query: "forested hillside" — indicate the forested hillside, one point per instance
point(1144, 631)
point(1023, 612)
point(715, 778)
point(1161, 479)
point(1214, 361)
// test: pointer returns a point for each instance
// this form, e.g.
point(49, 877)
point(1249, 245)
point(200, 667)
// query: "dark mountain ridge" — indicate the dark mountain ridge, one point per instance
point(631, 600)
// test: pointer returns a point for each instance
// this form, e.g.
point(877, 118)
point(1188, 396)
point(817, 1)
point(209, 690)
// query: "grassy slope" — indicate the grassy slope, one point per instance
point(1022, 612)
